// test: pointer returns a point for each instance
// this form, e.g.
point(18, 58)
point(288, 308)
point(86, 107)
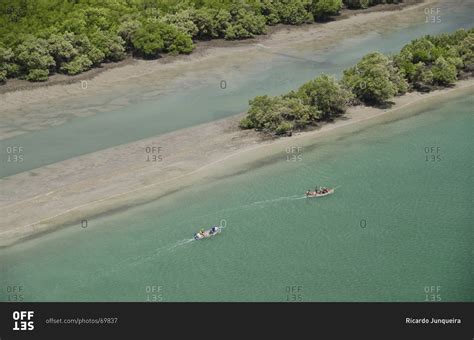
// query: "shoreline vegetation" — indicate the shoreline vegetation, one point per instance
point(39, 39)
point(424, 64)
point(95, 185)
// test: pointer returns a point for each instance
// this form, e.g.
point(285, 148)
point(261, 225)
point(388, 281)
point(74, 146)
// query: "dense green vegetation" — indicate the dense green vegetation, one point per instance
point(355, 4)
point(423, 64)
point(42, 37)
point(375, 79)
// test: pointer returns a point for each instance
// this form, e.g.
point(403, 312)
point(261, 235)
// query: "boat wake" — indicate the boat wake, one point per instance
point(153, 254)
point(141, 259)
point(275, 200)
point(181, 243)
point(243, 207)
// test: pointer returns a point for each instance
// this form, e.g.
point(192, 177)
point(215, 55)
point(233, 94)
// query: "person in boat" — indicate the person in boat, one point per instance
point(201, 232)
point(316, 190)
point(308, 193)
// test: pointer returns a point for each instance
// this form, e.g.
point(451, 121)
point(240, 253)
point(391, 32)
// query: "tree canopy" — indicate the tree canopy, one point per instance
point(423, 64)
point(374, 79)
point(42, 37)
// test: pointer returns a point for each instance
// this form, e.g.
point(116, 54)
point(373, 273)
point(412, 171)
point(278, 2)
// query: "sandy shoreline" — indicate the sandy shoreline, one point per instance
point(211, 60)
point(64, 193)
point(202, 47)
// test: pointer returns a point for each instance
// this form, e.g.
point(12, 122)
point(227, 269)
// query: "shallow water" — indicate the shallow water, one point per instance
point(165, 105)
point(398, 223)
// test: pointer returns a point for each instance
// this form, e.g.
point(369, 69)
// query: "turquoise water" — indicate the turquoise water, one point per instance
point(396, 225)
point(203, 101)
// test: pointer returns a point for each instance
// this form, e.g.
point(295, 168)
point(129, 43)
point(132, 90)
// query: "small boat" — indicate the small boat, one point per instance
point(319, 194)
point(207, 233)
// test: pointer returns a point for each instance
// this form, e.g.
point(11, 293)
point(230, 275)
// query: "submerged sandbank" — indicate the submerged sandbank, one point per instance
point(201, 46)
point(80, 188)
point(139, 81)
